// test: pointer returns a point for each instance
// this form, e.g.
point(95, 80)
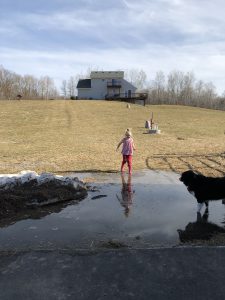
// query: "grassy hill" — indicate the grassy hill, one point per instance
point(61, 136)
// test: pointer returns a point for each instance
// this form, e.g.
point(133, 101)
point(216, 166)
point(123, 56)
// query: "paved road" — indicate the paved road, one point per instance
point(166, 273)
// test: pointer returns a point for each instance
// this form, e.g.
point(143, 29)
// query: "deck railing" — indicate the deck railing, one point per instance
point(127, 96)
point(132, 98)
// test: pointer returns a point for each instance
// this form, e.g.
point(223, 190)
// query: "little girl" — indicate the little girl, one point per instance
point(127, 150)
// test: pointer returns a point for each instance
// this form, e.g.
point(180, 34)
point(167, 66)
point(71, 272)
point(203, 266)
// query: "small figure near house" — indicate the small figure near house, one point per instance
point(127, 150)
point(128, 105)
point(147, 124)
point(152, 126)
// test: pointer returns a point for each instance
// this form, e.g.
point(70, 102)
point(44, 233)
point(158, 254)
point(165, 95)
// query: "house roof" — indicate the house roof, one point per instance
point(107, 74)
point(84, 84)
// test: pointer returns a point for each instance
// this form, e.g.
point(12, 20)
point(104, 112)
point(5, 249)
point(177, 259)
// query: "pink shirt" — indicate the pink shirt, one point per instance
point(127, 146)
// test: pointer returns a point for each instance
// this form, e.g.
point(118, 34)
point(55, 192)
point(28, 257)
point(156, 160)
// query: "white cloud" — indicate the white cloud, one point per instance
point(149, 35)
point(207, 66)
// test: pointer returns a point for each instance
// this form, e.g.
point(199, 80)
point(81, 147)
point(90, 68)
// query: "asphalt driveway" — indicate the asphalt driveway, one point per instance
point(162, 273)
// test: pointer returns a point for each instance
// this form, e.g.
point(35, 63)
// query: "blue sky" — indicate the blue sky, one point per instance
point(62, 38)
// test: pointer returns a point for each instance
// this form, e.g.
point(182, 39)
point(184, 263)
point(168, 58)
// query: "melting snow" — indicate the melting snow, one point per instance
point(9, 180)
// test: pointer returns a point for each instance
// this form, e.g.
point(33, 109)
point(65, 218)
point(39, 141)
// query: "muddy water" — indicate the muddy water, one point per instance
point(145, 210)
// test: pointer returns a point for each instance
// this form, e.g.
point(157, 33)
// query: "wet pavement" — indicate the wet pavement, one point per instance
point(146, 210)
point(121, 242)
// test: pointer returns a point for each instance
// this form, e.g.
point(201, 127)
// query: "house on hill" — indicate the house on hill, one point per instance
point(105, 85)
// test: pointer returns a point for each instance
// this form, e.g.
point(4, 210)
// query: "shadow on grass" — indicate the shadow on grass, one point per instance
point(180, 162)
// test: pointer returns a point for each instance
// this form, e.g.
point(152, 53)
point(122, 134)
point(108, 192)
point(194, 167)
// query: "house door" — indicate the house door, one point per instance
point(129, 93)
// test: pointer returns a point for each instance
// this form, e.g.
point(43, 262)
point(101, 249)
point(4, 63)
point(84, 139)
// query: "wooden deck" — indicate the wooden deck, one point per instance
point(134, 98)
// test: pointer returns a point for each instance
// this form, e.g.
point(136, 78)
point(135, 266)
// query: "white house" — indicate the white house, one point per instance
point(105, 85)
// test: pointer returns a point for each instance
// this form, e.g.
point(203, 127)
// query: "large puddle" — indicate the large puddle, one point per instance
point(146, 210)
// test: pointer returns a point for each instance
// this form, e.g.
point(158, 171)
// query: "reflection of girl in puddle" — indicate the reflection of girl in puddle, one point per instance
point(127, 194)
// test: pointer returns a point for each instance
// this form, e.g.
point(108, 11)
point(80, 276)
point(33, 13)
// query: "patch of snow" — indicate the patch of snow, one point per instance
point(10, 180)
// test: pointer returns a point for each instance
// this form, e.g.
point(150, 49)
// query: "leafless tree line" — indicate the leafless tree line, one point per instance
point(175, 88)
point(183, 89)
point(29, 87)
point(69, 87)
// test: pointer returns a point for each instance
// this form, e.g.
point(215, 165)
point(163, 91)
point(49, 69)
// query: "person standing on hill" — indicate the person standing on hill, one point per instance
point(127, 150)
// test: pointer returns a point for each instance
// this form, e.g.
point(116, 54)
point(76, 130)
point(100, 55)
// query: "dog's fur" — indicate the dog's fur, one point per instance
point(204, 188)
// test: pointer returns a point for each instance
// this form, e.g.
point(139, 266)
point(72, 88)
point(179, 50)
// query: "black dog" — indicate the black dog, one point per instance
point(204, 188)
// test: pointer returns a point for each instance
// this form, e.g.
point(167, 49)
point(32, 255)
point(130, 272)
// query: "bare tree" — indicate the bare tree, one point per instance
point(176, 87)
point(46, 88)
point(188, 88)
point(64, 88)
point(12, 84)
point(158, 88)
point(171, 88)
point(183, 89)
point(71, 86)
point(29, 87)
point(136, 77)
point(6, 83)
point(209, 95)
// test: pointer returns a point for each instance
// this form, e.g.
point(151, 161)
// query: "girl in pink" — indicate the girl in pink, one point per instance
point(127, 150)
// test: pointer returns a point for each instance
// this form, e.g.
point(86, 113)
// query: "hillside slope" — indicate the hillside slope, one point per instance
point(60, 136)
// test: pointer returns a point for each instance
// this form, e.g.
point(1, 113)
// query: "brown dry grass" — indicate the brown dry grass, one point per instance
point(61, 136)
